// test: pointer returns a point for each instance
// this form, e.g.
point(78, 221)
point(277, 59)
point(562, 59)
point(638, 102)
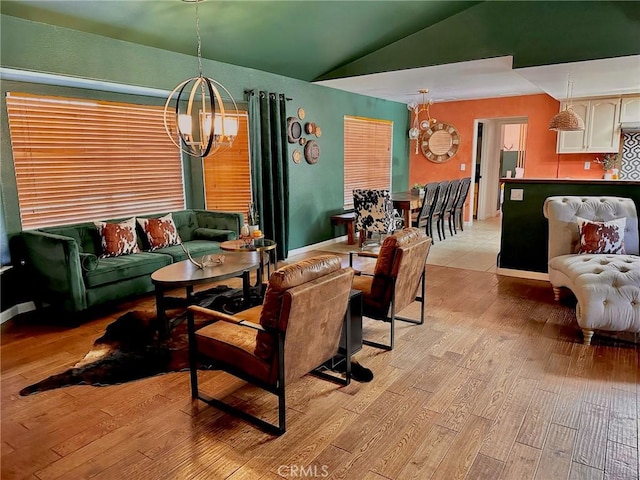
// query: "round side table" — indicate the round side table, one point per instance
point(262, 246)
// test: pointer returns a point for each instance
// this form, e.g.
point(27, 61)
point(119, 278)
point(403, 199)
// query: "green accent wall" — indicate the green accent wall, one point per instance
point(316, 191)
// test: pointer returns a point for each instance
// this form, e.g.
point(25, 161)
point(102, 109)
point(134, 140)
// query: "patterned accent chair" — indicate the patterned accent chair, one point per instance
point(294, 331)
point(398, 273)
point(374, 215)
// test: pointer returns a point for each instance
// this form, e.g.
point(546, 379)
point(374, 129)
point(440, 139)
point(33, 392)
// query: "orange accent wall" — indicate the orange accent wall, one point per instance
point(541, 159)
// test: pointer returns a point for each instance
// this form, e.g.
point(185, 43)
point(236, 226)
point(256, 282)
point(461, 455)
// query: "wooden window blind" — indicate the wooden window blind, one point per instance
point(84, 160)
point(227, 177)
point(367, 155)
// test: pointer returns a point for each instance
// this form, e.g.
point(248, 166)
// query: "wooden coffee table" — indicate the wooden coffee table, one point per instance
point(260, 245)
point(186, 274)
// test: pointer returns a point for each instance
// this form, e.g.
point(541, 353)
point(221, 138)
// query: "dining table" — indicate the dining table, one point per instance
point(406, 202)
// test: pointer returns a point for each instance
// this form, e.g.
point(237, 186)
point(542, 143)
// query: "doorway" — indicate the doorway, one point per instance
point(499, 150)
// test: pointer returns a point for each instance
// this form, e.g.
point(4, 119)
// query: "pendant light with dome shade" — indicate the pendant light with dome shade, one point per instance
point(567, 120)
point(200, 115)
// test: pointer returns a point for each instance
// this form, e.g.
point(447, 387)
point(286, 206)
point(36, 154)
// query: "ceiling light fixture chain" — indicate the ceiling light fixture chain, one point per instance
point(204, 118)
point(414, 132)
point(567, 120)
point(199, 39)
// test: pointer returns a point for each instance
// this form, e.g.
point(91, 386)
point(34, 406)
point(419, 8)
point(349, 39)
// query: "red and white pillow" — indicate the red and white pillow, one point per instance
point(601, 237)
point(160, 232)
point(118, 238)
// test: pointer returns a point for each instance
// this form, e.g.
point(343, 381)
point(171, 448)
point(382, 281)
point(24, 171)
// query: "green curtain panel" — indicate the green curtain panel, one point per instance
point(255, 152)
point(267, 119)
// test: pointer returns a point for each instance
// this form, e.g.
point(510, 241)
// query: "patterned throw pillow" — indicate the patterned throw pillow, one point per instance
point(118, 238)
point(601, 237)
point(160, 232)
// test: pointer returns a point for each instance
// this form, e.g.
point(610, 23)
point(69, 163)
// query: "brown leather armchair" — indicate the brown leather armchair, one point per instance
point(294, 331)
point(398, 273)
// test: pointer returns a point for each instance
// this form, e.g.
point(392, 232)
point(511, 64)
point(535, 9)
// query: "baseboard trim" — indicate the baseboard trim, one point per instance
point(509, 272)
point(11, 312)
point(317, 246)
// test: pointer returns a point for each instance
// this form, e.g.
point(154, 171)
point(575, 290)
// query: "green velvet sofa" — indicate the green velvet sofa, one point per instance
point(64, 269)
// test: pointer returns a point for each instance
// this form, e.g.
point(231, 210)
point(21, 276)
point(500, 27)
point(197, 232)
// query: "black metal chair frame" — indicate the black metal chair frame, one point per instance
point(463, 193)
point(392, 317)
point(438, 205)
point(278, 389)
point(447, 206)
point(426, 210)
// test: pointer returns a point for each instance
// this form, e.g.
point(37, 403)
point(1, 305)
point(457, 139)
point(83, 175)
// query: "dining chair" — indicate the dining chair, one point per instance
point(374, 214)
point(296, 330)
point(398, 274)
point(422, 218)
point(439, 203)
point(447, 208)
point(458, 208)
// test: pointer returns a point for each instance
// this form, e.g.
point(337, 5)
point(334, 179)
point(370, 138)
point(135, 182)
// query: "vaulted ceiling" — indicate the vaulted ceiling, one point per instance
point(388, 49)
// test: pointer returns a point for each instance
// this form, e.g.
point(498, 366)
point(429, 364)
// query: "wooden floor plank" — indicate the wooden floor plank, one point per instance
point(536, 421)
point(623, 423)
point(580, 471)
point(506, 426)
point(521, 463)
point(391, 463)
point(495, 384)
point(591, 441)
point(485, 468)
point(555, 461)
point(464, 450)
point(621, 462)
point(425, 460)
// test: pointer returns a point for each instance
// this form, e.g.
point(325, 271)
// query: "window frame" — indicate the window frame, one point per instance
point(368, 155)
point(226, 187)
point(73, 159)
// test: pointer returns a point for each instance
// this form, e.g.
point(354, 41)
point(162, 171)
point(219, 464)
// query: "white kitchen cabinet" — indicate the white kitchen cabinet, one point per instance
point(574, 142)
point(630, 110)
point(602, 127)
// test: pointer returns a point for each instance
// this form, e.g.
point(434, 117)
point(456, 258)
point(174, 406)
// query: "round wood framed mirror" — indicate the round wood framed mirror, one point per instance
point(440, 142)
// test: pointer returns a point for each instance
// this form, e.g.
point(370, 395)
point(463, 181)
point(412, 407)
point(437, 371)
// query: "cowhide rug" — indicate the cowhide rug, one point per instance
point(129, 349)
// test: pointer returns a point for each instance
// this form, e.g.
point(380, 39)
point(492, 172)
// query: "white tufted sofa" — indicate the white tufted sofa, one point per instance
point(607, 287)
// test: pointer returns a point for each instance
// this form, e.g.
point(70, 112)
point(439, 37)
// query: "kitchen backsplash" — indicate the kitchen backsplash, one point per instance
point(630, 156)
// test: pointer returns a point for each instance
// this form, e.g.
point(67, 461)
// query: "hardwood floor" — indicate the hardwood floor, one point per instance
point(495, 385)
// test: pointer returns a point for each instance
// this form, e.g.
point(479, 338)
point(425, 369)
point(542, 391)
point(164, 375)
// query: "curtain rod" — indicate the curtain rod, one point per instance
point(252, 91)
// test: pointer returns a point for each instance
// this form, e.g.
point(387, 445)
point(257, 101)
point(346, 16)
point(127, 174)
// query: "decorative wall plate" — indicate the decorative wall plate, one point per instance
point(297, 156)
point(440, 142)
point(312, 151)
point(318, 132)
point(302, 141)
point(294, 130)
point(301, 113)
point(310, 128)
